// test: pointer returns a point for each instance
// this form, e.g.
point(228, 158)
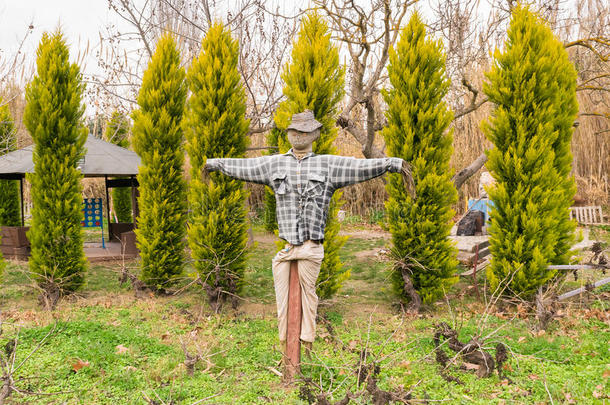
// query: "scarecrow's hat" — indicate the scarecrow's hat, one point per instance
point(304, 122)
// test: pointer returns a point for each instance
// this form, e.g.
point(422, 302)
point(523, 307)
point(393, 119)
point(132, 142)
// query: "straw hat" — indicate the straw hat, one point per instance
point(304, 122)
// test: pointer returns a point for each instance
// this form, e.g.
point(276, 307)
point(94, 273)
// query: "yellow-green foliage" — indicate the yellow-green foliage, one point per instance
point(417, 132)
point(117, 132)
point(216, 127)
point(9, 193)
point(53, 115)
point(314, 80)
point(158, 138)
point(533, 87)
point(9, 189)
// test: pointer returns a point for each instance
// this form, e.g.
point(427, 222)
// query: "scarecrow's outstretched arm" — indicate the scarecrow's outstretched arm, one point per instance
point(345, 171)
point(255, 170)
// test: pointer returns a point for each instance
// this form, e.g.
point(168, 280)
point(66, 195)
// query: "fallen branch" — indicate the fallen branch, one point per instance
point(471, 352)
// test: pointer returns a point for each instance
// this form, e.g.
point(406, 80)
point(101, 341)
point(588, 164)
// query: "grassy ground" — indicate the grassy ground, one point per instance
point(105, 346)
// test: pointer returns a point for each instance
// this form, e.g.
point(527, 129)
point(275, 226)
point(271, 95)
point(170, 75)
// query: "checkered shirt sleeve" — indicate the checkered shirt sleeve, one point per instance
point(255, 170)
point(344, 171)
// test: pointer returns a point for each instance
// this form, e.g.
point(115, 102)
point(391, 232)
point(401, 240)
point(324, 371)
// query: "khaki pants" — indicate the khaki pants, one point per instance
point(309, 256)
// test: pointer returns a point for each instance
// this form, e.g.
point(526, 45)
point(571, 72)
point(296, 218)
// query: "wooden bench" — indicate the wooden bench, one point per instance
point(590, 215)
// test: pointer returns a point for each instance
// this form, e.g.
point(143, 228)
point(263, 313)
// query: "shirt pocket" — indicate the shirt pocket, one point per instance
point(280, 185)
point(316, 184)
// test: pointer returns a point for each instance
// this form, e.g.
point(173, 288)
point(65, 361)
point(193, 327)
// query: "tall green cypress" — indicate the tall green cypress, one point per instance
point(9, 189)
point(2, 264)
point(158, 138)
point(216, 127)
point(269, 219)
point(314, 80)
point(418, 119)
point(117, 132)
point(53, 116)
point(533, 87)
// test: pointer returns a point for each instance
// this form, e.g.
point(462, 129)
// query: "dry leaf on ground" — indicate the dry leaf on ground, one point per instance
point(79, 364)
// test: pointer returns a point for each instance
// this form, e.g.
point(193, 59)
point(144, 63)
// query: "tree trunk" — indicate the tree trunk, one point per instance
point(460, 178)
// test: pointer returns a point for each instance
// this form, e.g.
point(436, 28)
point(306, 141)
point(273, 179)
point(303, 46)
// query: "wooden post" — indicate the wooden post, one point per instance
point(292, 356)
point(135, 193)
point(22, 210)
point(107, 209)
point(474, 272)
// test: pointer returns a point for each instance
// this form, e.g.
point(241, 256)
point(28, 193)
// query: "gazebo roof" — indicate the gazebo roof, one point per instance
point(102, 159)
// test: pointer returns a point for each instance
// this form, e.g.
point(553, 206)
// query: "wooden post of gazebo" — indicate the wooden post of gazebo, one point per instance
point(292, 356)
point(135, 193)
point(22, 209)
point(107, 209)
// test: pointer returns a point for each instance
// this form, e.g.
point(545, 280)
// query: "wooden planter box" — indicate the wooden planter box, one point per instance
point(128, 244)
point(117, 228)
point(15, 243)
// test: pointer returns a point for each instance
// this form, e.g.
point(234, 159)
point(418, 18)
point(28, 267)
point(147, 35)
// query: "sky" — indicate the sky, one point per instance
point(80, 21)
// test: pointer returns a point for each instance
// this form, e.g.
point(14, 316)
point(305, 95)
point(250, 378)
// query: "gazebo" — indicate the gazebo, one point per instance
point(102, 159)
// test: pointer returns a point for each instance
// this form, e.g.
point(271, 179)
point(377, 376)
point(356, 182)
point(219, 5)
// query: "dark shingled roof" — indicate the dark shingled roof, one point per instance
point(102, 159)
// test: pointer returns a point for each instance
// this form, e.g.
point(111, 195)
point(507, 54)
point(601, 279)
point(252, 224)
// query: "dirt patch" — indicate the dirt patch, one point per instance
point(378, 254)
point(257, 309)
point(373, 233)
point(269, 238)
point(266, 238)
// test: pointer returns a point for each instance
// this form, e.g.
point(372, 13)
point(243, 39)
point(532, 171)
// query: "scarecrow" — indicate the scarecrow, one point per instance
point(304, 183)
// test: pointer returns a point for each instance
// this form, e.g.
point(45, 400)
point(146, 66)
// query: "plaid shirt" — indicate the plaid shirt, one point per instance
point(303, 188)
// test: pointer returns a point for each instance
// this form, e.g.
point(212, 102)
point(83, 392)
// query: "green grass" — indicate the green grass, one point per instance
point(570, 360)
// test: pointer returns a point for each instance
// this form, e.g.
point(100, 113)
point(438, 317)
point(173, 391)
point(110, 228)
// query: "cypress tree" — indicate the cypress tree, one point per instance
point(9, 193)
point(270, 220)
point(2, 264)
point(533, 87)
point(158, 138)
point(418, 119)
point(53, 116)
point(117, 132)
point(314, 80)
point(9, 189)
point(216, 127)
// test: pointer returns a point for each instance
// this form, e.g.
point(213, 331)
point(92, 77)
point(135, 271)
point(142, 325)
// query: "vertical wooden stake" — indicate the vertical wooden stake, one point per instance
point(474, 272)
point(292, 356)
point(135, 195)
point(22, 210)
point(107, 212)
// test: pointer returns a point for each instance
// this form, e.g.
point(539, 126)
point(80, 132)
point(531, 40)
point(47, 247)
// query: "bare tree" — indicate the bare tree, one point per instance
point(469, 46)
point(470, 30)
point(14, 73)
point(367, 32)
point(264, 44)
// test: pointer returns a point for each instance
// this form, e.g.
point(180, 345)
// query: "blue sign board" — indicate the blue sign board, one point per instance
point(93, 215)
